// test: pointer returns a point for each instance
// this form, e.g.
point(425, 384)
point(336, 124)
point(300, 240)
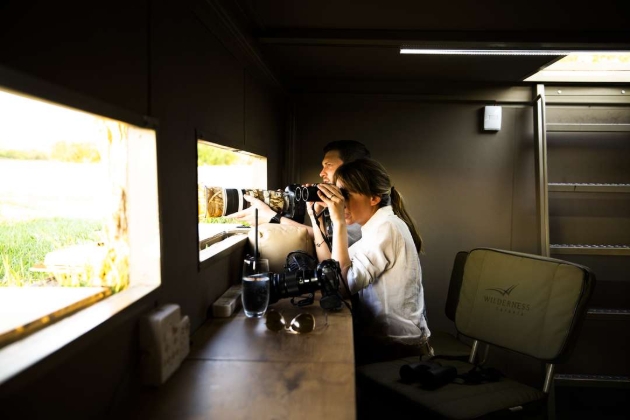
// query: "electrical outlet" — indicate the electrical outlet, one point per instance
point(165, 343)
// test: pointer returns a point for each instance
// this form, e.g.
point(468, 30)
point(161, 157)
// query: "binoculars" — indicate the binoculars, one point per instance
point(429, 375)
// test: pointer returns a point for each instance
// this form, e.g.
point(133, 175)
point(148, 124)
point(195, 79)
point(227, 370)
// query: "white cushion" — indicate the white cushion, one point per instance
point(276, 241)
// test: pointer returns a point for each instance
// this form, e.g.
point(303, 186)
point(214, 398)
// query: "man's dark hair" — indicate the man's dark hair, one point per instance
point(349, 150)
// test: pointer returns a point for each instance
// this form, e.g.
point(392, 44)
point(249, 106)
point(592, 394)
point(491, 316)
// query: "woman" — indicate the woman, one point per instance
point(383, 268)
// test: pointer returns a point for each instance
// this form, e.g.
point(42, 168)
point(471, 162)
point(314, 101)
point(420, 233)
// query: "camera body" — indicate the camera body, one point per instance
point(304, 276)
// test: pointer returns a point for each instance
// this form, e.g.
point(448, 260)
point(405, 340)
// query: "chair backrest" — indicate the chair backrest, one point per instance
point(526, 303)
point(455, 285)
point(276, 241)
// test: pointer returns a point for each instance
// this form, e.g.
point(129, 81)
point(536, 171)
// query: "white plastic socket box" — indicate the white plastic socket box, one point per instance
point(165, 343)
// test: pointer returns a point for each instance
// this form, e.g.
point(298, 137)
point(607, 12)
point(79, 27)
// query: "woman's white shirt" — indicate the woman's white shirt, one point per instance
point(387, 276)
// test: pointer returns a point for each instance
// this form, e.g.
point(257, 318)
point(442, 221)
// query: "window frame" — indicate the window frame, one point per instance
point(17, 358)
point(231, 239)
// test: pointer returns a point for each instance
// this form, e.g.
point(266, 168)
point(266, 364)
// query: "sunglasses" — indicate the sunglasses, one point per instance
point(301, 323)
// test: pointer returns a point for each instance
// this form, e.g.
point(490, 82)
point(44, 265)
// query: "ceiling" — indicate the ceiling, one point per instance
point(349, 43)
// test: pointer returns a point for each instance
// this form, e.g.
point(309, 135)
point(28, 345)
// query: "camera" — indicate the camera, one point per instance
point(303, 276)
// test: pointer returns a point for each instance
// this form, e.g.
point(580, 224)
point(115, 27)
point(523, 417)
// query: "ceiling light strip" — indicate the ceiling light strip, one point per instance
point(480, 52)
point(453, 51)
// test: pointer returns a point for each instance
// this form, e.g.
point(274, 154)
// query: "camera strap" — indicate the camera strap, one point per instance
point(433, 375)
point(327, 225)
point(308, 300)
point(478, 374)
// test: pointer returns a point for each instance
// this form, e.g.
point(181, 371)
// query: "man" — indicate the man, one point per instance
point(335, 154)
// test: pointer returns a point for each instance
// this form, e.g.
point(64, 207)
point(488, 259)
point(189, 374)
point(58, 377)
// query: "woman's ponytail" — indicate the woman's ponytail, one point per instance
point(398, 206)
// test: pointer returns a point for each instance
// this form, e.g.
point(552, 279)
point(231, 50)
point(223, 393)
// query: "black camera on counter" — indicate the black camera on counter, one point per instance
point(303, 276)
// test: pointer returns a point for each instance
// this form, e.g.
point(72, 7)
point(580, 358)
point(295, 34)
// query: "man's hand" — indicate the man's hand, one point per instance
point(265, 213)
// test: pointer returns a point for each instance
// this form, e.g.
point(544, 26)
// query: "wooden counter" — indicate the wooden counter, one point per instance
point(239, 369)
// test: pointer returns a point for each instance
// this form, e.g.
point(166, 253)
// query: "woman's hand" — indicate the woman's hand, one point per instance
point(315, 206)
point(333, 198)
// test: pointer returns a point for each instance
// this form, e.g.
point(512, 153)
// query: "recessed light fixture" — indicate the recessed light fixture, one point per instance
point(609, 67)
point(503, 51)
point(572, 66)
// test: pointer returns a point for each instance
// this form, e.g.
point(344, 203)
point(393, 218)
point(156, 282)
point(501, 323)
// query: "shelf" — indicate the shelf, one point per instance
point(591, 380)
point(588, 187)
point(555, 127)
point(602, 313)
point(590, 249)
point(24, 310)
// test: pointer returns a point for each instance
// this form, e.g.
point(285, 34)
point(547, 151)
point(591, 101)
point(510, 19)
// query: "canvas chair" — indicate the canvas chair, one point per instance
point(524, 303)
point(443, 342)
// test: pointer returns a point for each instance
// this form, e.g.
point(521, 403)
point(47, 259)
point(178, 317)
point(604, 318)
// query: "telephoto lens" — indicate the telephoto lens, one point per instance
point(219, 201)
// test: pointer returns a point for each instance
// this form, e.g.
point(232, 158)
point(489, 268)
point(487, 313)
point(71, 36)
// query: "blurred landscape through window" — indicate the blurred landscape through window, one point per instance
point(220, 168)
point(78, 191)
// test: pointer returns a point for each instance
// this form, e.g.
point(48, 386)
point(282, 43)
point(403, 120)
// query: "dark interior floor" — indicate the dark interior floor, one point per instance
point(571, 402)
point(610, 403)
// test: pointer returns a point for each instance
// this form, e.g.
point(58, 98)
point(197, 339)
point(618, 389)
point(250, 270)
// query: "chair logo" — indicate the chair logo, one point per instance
point(504, 303)
point(504, 292)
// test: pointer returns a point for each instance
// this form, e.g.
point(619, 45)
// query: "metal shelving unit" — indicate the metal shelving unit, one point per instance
point(585, 127)
point(601, 313)
point(582, 187)
point(553, 188)
point(589, 249)
point(616, 381)
point(580, 135)
point(588, 187)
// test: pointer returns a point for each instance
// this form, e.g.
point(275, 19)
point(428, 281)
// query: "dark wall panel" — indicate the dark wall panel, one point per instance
point(98, 49)
point(159, 59)
point(195, 81)
point(265, 111)
point(197, 87)
point(459, 183)
point(87, 380)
